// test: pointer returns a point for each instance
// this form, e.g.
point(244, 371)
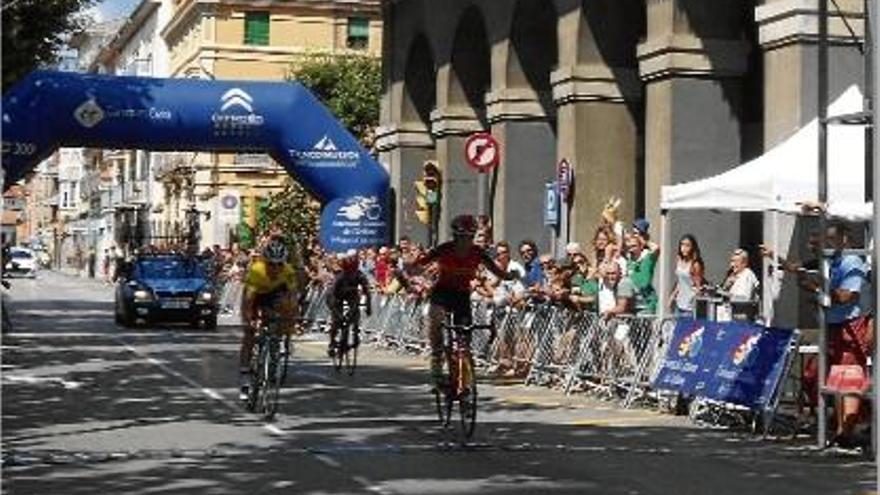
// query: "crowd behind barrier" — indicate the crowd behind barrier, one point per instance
point(539, 343)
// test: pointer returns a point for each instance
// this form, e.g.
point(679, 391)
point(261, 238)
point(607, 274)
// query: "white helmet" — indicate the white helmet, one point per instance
point(275, 252)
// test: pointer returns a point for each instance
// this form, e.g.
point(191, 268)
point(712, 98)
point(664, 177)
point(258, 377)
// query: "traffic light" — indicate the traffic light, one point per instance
point(428, 193)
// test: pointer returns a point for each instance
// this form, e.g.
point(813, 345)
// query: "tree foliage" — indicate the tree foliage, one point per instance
point(33, 32)
point(349, 85)
point(294, 210)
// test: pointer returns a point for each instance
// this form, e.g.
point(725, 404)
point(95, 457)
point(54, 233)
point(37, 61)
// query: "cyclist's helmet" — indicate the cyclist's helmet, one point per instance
point(348, 261)
point(275, 251)
point(464, 225)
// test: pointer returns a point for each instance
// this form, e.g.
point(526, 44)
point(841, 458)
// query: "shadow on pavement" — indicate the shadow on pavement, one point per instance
point(83, 415)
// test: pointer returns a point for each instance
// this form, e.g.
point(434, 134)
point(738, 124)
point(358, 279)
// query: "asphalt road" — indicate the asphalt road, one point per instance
point(89, 407)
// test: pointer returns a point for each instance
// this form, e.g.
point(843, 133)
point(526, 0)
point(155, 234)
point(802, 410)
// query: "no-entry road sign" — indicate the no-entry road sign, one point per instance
point(482, 152)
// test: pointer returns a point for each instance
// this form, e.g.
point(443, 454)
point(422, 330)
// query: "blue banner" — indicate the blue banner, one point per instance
point(734, 362)
point(48, 110)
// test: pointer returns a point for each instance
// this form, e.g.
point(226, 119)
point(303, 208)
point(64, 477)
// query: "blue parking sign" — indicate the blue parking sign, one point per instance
point(551, 204)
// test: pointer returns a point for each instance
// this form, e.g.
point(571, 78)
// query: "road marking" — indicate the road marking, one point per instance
point(532, 401)
point(180, 376)
point(32, 379)
point(273, 430)
point(328, 461)
point(369, 486)
point(212, 394)
point(621, 421)
point(55, 335)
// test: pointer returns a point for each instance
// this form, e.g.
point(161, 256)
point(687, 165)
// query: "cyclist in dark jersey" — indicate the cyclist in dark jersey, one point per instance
point(457, 263)
point(346, 287)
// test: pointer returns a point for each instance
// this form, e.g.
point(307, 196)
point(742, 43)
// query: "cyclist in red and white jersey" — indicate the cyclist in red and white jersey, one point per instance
point(457, 262)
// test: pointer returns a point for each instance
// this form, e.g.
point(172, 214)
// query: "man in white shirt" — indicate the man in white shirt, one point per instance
point(616, 293)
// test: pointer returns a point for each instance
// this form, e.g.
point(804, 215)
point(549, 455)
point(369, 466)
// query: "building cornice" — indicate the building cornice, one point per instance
point(514, 104)
point(391, 137)
point(689, 56)
point(454, 121)
point(788, 22)
point(595, 82)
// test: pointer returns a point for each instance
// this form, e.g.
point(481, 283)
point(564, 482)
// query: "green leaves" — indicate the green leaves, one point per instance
point(34, 30)
point(349, 85)
point(294, 210)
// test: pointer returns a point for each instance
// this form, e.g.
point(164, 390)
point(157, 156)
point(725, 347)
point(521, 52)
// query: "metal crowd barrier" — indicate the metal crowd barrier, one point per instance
point(541, 344)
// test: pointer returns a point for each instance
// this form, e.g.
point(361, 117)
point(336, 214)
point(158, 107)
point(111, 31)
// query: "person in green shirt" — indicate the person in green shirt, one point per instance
point(584, 281)
point(642, 255)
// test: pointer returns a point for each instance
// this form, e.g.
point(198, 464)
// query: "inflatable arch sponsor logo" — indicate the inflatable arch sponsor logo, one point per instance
point(89, 114)
point(325, 154)
point(236, 115)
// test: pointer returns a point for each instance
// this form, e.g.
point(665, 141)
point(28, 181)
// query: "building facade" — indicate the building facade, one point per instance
point(255, 41)
point(633, 94)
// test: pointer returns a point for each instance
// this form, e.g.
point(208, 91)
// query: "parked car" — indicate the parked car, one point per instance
point(21, 263)
point(165, 288)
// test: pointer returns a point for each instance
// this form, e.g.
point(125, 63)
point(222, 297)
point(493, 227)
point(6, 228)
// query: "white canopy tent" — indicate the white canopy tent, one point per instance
point(779, 180)
point(787, 174)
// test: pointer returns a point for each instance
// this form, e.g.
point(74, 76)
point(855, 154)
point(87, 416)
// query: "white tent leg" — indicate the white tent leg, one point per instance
point(665, 253)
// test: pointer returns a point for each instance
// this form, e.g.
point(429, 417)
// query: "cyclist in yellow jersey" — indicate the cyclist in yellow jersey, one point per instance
point(270, 282)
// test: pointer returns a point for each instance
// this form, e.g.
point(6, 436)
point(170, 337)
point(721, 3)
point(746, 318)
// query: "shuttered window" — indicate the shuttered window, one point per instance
point(358, 33)
point(256, 28)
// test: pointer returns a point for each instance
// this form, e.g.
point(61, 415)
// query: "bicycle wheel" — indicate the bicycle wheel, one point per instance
point(443, 402)
point(256, 383)
point(351, 349)
point(467, 394)
point(274, 374)
point(341, 346)
point(265, 377)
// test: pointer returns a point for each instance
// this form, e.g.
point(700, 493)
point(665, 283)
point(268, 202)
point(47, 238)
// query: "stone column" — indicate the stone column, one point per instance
point(598, 134)
point(404, 149)
point(528, 160)
point(451, 127)
point(691, 63)
point(598, 93)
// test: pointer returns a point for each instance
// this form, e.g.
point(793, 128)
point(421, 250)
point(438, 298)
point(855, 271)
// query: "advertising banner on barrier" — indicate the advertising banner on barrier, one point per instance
point(735, 362)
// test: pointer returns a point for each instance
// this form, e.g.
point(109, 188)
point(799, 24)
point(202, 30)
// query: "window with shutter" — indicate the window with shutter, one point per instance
point(256, 28)
point(358, 33)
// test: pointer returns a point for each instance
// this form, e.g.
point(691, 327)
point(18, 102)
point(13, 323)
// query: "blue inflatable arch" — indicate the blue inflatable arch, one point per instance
point(48, 110)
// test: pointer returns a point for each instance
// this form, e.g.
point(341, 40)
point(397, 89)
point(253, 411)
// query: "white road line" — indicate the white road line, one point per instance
point(273, 430)
point(180, 376)
point(328, 461)
point(213, 394)
point(369, 486)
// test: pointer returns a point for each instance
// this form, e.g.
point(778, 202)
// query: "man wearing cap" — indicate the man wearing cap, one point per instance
point(642, 257)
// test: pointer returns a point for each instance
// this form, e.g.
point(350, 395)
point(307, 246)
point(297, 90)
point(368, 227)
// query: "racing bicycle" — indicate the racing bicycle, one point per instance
point(348, 339)
point(459, 383)
point(268, 368)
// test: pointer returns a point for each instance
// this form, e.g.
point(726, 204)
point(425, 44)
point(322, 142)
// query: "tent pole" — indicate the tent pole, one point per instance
point(822, 111)
point(665, 253)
